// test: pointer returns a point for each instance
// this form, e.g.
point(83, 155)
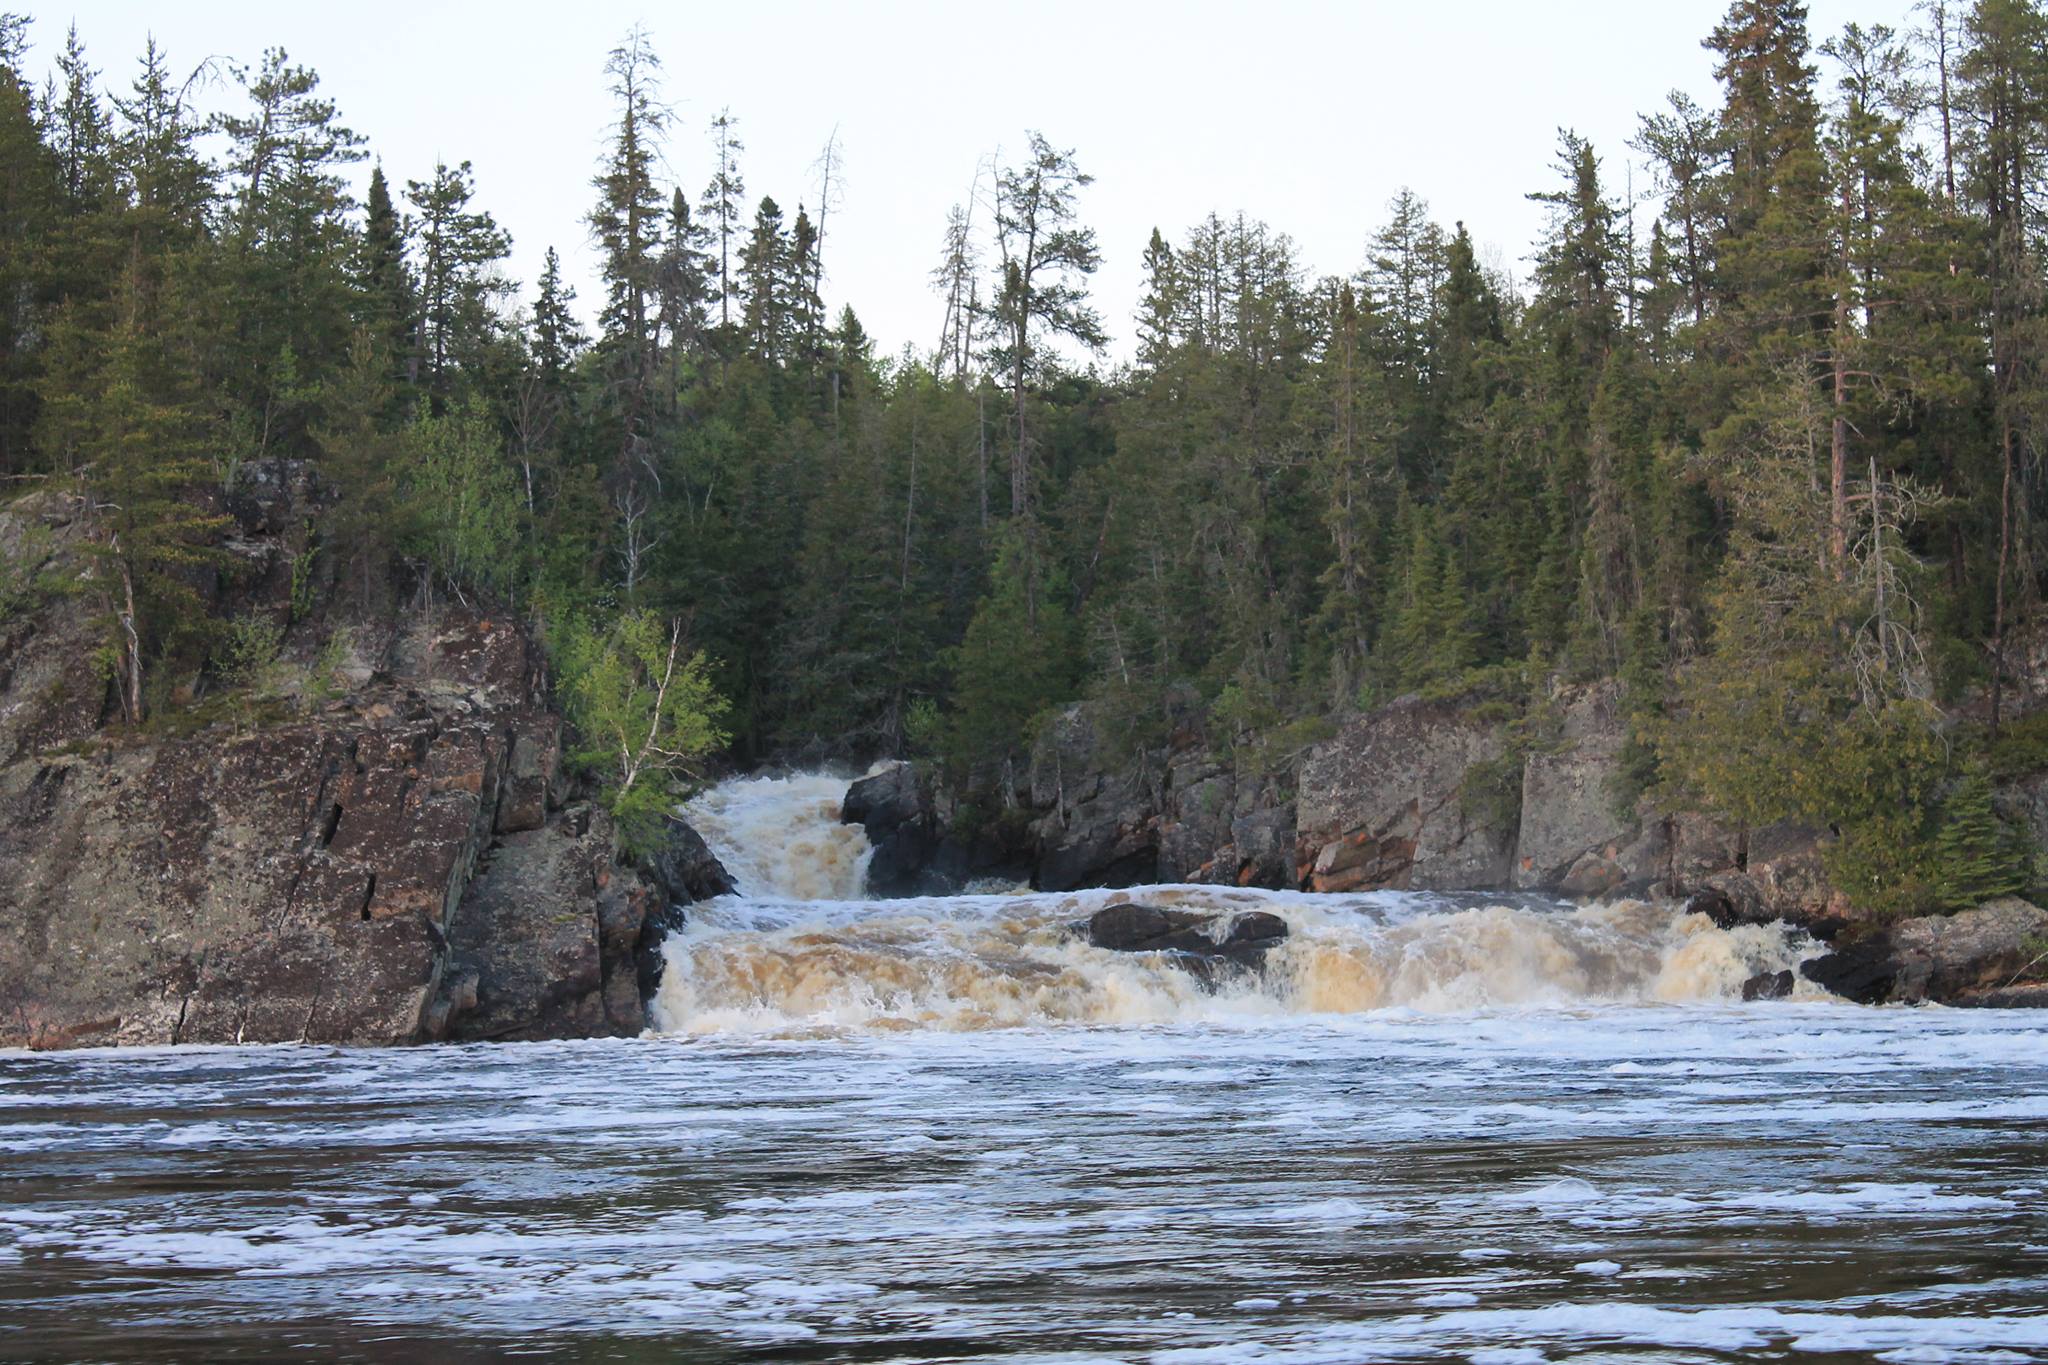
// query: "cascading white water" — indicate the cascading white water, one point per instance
point(797, 949)
point(781, 839)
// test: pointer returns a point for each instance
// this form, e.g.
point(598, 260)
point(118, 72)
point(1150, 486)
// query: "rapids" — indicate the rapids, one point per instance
point(797, 950)
point(1462, 1129)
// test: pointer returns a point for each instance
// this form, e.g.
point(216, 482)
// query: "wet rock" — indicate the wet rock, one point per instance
point(895, 809)
point(1862, 970)
point(1718, 905)
point(542, 935)
point(683, 867)
point(1768, 986)
point(884, 800)
point(1105, 849)
point(683, 870)
point(1997, 951)
point(1148, 929)
point(1402, 798)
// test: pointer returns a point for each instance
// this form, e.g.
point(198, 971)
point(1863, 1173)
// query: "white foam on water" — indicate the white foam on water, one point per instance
point(781, 837)
point(798, 950)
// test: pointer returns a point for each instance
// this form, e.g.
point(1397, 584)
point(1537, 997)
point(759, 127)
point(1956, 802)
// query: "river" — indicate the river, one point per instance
point(1431, 1128)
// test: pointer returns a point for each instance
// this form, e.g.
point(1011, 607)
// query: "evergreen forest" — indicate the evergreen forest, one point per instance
point(1765, 447)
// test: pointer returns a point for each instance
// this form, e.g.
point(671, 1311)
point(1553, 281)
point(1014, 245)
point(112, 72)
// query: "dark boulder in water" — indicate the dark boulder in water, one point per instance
point(1991, 954)
point(894, 807)
point(684, 871)
point(1768, 986)
point(1863, 970)
point(685, 868)
point(1715, 903)
point(1127, 928)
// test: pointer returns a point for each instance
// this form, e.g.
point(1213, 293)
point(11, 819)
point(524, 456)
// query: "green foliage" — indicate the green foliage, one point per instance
point(1490, 792)
point(923, 727)
point(2019, 747)
point(1977, 856)
point(645, 714)
point(1727, 468)
point(302, 577)
point(26, 582)
point(248, 650)
point(326, 680)
point(1015, 661)
point(463, 497)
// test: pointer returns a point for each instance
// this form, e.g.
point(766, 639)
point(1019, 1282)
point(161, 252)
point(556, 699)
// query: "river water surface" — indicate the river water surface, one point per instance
point(1433, 1128)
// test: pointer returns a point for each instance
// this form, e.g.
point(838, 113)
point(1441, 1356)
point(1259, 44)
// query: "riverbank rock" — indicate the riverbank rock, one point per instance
point(1408, 797)
point(1997, 953)
point(1100, 825)
point(1569, 832)
point(893, 806)
point(1784, 881)
point(300, 869)
point(683, 867)
point(541, 943)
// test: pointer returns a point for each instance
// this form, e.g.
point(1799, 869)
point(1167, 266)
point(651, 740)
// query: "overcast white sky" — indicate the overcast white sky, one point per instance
point(1308, 115)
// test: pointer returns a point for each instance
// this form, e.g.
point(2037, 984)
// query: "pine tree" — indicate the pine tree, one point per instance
point(459, 281)
point(720, 208)
point(289, 244)
point(800, 286)
point(764, 272)
point(1016, 659)
point(81, 131)
point(627, 219)
point(682, 284)
point(386, 303)
point(1975, 857)
point(1045, 257)
point(28, 182)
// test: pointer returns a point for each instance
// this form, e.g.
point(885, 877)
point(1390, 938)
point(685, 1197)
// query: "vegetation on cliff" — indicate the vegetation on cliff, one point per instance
point(1767, 448)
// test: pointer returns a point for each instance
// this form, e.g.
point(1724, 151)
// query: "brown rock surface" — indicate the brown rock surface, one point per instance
point(1384, 804)
point(309, 877)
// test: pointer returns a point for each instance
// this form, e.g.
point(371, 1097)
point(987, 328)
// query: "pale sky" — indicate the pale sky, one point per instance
point(1308, 115)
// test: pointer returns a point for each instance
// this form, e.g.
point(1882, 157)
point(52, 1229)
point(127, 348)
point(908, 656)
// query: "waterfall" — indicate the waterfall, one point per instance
point(781, 839)
point(799, 950)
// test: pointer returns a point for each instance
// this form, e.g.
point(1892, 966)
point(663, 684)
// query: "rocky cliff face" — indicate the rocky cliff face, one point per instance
point(399, 862)
point(1428, 796)
point(1414, 795)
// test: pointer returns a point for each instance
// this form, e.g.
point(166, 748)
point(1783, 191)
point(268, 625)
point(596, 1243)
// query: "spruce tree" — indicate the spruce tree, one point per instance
point(386, 303)
point(459, 280)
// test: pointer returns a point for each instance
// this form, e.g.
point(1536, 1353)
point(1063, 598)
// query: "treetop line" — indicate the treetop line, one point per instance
point(1768, 455)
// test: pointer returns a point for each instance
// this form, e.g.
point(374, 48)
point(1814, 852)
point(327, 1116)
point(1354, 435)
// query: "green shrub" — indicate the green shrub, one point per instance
point(644, 711)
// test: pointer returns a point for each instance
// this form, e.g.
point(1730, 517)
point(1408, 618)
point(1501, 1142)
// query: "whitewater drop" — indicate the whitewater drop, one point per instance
point(781, 839)
point(799, 950)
